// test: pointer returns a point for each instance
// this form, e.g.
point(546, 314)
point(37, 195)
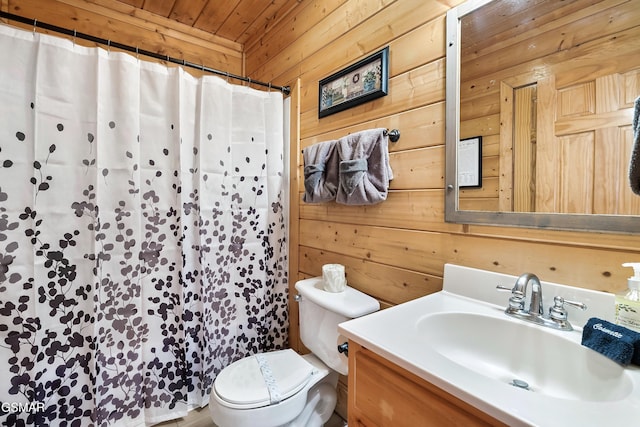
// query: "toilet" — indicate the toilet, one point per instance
point(283, 388)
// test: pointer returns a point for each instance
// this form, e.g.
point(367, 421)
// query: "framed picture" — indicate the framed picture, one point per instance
point(361, 82)
point(470, 162)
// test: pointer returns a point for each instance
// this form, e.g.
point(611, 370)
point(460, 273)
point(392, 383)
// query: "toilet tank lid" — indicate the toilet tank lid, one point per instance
point(350, 303)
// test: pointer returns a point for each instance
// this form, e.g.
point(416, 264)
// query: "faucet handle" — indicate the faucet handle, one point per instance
point(514, 290)
point(516, 301)
point(558, 311)
point(582, 306)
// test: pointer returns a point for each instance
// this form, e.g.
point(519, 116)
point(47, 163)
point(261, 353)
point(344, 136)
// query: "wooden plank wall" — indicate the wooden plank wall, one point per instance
point(396, 250)
point(119, 22)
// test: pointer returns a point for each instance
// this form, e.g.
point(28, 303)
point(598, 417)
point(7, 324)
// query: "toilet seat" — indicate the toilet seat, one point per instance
point(244, 383)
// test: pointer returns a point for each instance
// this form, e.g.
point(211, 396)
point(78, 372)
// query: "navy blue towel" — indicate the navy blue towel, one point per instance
point(614, 341)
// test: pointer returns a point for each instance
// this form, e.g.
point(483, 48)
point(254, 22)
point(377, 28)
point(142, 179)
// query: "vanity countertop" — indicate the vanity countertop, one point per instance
point(398, 335)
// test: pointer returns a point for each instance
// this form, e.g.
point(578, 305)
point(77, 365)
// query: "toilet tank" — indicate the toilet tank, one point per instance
point(322, 311)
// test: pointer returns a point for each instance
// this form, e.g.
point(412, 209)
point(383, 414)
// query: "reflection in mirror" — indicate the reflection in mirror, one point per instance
point(549, 88)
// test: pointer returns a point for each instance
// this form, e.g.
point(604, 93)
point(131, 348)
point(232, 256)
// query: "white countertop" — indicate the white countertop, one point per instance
point(393, 333)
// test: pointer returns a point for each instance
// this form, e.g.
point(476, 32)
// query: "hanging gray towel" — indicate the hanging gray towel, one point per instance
point(365, 171)
point(634, 164)
point(351, 174)
point(320, 172)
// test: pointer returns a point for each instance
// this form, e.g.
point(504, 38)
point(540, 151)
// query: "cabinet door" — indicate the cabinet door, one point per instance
point(382, 394)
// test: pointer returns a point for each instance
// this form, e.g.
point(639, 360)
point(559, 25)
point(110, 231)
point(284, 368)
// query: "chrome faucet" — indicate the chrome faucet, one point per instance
point(557, 317)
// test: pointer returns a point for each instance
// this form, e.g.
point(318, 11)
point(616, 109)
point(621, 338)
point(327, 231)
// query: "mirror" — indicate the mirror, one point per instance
point(547, 88)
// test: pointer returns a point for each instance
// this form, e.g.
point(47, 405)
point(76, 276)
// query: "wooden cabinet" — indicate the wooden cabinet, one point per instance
point(382, 394)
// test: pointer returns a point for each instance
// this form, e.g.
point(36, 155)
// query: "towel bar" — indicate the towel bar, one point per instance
point(394, 135)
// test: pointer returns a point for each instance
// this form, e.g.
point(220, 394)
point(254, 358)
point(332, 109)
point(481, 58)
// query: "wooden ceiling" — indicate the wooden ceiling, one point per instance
point(235, 20)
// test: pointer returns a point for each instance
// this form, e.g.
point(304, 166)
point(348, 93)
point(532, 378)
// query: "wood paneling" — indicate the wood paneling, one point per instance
point(236, 20)
point(415, 210)
point(122, 23)
point(400, 284)
point(396, 250)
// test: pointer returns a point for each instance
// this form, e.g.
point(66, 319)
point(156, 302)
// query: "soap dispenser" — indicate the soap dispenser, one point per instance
point(628, 302)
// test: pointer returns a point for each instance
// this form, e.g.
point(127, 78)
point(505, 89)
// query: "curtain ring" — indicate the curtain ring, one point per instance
point(35, 25)
point(227, 77)
point(269, 87)
point(74, 36)
point(108, 46)
point(137, 54)
point(249, 80)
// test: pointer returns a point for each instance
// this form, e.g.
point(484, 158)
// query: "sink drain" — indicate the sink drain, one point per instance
point(520, 384)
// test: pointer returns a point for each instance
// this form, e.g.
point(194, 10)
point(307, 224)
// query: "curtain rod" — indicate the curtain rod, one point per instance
point(284, 89)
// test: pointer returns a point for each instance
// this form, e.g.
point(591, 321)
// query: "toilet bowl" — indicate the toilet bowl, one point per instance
point(306, 385)
point(282, 388)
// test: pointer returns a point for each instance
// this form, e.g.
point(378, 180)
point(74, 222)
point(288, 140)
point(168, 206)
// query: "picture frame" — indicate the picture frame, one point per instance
point(470, 162)
point(361, 82)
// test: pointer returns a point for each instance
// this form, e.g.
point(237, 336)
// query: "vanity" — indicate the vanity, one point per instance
point(455, 358)
point(383, 393)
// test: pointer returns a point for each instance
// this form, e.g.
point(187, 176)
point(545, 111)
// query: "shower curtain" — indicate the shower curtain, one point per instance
point(142, 233)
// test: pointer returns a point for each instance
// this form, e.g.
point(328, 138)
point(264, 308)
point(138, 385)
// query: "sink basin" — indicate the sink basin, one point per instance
point(529, 357)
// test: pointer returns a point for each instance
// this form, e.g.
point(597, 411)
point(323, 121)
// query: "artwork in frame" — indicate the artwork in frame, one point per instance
point(363, 81)
point(470, 162)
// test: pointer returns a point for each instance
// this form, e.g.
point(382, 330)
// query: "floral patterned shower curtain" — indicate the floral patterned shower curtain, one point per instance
point(142, 233)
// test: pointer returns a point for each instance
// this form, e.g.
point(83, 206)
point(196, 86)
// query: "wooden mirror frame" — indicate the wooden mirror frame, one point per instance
point(584, 222)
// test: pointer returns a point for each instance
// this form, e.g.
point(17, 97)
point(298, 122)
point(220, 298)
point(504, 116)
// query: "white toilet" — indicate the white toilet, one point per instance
point(282, 388)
